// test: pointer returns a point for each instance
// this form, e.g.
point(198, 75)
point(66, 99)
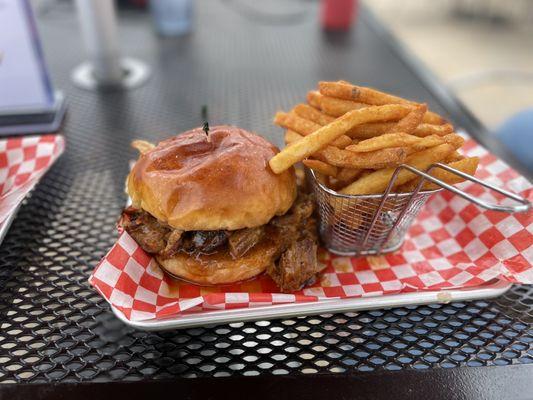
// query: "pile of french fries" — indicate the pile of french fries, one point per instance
point(354, 137)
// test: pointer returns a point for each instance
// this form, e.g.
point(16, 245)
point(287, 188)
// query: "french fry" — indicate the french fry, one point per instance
point(321, 167)
point(323, 179)
point(334, 183)
point(348, 175)
point(142, 146)
point(377, 182)
point(433, 118)
point(374, 160)
point(426, 142)
point(347, 91)
point(366, 131)
point(299, 127)
point(466, 165)
point(354, 138)
point(412, 143)
point(365, 173)
point(338, 107)
point(373, 129)
point(341, 183)
point(455, 156)
point(314, 98)
point(342, 141)
point(385, 141)
point(345, 176)
point(409, 123)
point(322, 137)
point(423, 130)
point(291, 136)
point(312, 114)
point(294, 122)
point(454, 140)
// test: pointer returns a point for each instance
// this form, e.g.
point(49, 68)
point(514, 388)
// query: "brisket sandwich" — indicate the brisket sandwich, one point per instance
point(211, 211)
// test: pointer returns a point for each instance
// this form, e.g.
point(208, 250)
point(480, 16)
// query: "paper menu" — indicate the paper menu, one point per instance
point(24, 80)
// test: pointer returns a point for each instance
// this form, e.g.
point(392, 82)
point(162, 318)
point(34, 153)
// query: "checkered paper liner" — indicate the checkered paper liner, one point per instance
point(452, 244)
point(23, 162)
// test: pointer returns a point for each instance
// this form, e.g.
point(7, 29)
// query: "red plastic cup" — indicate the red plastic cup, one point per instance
point(338, 15)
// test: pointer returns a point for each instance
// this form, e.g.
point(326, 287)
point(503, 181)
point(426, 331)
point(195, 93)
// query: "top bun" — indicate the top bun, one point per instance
point(221, 181)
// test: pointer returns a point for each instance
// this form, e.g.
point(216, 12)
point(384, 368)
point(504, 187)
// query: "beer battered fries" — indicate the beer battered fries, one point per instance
point(320, 138)
point(355, 137)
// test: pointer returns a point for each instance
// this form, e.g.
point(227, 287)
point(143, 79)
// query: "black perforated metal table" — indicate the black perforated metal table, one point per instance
point(55, 328)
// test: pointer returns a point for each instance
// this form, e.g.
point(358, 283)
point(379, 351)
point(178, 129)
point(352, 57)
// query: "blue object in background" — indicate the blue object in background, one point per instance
point(516, 133)
point(172, 17)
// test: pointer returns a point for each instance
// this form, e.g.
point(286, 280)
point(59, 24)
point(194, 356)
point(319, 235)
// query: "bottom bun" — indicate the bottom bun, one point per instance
point(221, 268)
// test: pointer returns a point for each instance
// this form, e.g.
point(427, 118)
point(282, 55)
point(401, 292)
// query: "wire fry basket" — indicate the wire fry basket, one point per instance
point(376, 224)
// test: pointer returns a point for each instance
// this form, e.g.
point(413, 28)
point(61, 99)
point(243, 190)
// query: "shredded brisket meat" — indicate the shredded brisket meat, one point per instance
point(204, 242)
point(173, 242)
point(145, 229)
point(294, 232)
point(297, 266)
point(244, 239)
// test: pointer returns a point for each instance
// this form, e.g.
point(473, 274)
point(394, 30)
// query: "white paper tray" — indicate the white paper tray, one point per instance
point(326, 306)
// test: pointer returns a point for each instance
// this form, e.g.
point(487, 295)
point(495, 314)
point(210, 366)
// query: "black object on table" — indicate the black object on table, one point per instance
point(56, 329)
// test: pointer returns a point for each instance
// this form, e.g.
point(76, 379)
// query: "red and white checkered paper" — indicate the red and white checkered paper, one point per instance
point(23, 161)
point(452, 244)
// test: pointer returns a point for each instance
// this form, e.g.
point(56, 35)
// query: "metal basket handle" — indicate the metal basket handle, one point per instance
point(524, 206)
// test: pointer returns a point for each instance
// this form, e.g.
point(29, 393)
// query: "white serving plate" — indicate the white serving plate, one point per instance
point(494, 289)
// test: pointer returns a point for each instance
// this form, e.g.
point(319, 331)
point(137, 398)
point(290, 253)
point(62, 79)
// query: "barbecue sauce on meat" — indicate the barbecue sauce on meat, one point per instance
point(145, 229)
point(294, 234)
point(241, 241)
point(297, 266)
point(204, 242)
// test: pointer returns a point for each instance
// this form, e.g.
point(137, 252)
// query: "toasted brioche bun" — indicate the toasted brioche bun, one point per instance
point(220, 268)
point(221, 181)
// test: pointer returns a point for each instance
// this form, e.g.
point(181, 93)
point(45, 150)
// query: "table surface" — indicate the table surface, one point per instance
point(55, 328)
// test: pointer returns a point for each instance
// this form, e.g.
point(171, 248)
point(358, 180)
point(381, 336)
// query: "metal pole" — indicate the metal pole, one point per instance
point(98, 25)
point(105, 68)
